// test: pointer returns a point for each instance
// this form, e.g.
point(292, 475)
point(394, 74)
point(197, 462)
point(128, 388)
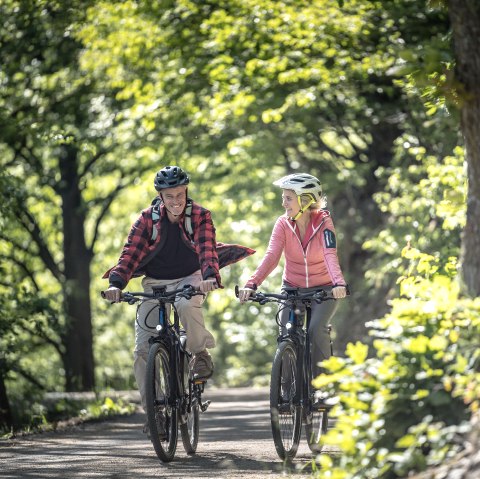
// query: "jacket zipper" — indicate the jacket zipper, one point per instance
point(304, 252)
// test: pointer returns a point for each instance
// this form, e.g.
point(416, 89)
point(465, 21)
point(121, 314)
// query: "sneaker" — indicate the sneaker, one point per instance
point(162, 434)
point(321, 400)
point(201, 365)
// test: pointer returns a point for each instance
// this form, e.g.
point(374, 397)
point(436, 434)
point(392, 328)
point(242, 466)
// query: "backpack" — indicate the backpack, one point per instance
point(187, 221)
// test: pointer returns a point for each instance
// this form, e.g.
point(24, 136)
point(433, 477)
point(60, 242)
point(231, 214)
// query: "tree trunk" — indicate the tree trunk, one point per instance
point(465, 20)
point(365, 303)
point(6, 420)
point(77, 338)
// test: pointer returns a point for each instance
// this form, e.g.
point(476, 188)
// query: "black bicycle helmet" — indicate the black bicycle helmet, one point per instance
point(169, 177)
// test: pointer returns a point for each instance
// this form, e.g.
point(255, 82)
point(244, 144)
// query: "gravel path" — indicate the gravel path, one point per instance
point(235, 442)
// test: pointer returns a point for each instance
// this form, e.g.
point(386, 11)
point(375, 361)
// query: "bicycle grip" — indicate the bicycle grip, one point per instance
point(104, 296)
point(236, 290)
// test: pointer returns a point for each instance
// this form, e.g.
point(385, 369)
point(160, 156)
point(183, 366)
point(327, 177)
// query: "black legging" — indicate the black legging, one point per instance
point(319, 338)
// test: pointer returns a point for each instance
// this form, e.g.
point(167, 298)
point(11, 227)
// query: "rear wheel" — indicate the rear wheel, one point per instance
point(190, 416)
point(285, 414)
point(162, 417)
point(316, 426)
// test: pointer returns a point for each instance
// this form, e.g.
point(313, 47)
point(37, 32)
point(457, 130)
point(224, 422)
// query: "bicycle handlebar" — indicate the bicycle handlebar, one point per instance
point(318, 296)
point(160, 295)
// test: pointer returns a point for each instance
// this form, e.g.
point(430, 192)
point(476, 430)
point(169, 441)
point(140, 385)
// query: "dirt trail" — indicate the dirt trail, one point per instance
point(235, 442)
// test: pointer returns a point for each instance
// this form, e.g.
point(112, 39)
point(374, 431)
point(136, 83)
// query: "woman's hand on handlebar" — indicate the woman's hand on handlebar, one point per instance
point(244, 294)
point(113, 294)
point(339, 292)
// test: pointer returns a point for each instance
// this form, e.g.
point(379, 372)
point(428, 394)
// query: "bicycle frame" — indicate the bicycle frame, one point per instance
point(173, 397)
point(298, 333)
point(169, 334)
point(292, 400)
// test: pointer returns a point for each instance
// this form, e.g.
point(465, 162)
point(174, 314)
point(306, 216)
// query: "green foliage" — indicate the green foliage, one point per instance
point(106, 408)
point(65, 153)
point(45, 415)
point(26, 320)
point(238, 93)
point(251, 81)
point(405, 408)
point(425, 206)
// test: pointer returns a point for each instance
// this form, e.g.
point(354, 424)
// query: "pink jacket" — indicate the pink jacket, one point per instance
point(311, 263)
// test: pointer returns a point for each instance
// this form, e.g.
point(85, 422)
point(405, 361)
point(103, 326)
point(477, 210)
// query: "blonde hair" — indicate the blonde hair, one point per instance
point(317, 205)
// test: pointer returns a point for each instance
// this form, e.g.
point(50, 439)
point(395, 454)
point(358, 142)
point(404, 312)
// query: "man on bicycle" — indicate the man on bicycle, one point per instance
point(172, 243)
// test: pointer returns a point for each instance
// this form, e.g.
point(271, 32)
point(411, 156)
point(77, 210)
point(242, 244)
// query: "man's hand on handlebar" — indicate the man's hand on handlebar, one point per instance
point(113, 294)
point(208, 285)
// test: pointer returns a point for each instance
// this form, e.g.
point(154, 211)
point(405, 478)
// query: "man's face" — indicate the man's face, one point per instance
point(175, 199)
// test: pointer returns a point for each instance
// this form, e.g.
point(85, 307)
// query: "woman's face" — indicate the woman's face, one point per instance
point(290, 203)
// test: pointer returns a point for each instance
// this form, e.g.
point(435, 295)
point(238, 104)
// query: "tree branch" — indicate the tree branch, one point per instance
point(92, 161)
point(27, 376)
point(108, 200)
point(34, 230)
point(24, 267)
point(41, 335)
point(106, 205)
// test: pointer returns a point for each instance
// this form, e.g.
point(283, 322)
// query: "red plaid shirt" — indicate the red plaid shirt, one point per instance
point(139, 248)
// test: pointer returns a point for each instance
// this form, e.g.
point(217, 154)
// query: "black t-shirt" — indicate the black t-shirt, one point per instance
point(175, 259)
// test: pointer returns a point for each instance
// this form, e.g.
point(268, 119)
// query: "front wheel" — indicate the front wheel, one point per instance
point(162, 416)
point(285, 412)
point(190, 416)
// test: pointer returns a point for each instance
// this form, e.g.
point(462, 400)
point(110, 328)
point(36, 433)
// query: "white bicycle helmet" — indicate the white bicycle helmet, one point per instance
point(301, 184)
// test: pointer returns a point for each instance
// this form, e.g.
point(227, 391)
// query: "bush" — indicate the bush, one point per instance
point(51, 415)
point(407, 407)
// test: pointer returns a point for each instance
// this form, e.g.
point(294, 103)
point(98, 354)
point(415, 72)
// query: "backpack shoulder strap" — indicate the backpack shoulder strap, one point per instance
point(188, 219)
point(155, 220)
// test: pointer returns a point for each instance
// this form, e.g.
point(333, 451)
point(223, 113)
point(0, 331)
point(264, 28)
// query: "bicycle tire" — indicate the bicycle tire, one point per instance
point(189, 419)
point(285, 414)
point(316, 426)
point(160, 399)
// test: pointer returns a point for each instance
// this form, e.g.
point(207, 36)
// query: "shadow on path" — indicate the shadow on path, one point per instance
point(235, 442)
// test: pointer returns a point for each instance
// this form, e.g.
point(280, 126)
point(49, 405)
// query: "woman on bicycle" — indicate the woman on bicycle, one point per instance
point(306, 236)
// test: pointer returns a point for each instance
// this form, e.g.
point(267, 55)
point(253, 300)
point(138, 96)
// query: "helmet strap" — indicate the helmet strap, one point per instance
point(302, 208)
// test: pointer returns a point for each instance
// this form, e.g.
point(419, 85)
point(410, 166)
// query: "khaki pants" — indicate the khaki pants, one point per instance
point(191, 318)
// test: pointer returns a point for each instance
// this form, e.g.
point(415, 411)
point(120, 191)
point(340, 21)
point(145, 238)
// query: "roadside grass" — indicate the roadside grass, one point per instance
point(65, 412)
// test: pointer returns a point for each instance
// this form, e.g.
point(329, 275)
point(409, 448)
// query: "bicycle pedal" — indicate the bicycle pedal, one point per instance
point(204, 405)
point(321, 406)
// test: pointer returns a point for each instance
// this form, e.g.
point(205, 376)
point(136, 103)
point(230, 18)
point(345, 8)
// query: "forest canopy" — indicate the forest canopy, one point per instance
point(377, 99)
